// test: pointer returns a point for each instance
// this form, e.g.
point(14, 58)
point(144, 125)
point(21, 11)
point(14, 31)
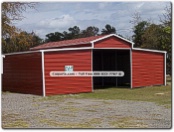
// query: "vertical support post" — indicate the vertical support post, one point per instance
point(102, 67)
point(3, 56)
point(131, 69)
point(43, 74)
point(92, 78)
point(165, 69)
point(116, 78)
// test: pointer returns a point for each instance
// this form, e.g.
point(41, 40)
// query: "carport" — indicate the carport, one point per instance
point(111, 60)
point(31, 71)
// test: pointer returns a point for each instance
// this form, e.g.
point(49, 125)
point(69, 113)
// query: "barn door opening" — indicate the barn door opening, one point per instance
point(111, 60)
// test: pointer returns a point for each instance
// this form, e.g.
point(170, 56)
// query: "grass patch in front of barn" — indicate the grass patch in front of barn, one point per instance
point(158, 94)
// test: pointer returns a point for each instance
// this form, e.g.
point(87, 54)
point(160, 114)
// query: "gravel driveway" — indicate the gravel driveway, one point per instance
point(30, 111)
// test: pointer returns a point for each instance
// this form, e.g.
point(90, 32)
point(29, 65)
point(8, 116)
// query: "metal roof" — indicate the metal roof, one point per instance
point(57, 44)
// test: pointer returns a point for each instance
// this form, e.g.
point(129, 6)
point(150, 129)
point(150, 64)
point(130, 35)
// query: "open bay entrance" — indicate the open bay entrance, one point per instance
point(111, 60)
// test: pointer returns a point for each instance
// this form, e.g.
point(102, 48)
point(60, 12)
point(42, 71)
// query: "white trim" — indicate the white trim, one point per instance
point(92, 70)
point(110, 35)
point(149, 50)
point(35, 48)
point(165, 69)
point(131, 69)
point(92, 44)
point(25, 52)
point(66, 49)
point(43, 74)
point(3, 57)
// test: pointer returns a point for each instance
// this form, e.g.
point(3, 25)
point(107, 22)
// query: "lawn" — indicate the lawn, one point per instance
point(158, 94)
point(161, 95)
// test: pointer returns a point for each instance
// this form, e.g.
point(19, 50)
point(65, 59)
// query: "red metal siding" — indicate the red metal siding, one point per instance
point(148, 68)
point(22, 73)
point(112, 42)
point(56, 61)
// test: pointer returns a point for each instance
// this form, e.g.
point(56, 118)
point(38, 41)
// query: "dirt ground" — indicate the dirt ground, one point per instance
point(30, 111)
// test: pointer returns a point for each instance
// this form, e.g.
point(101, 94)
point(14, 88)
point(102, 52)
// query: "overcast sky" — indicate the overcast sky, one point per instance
point(59, 16)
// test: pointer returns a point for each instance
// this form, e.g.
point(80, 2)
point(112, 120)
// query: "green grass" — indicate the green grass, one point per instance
point(13, 121)
point(54, 123)
point(158, 94)
point(128, 122)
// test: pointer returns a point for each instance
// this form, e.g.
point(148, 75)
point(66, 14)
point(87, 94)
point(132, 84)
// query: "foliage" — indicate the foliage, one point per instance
point(52, 37)
point(108, 30)
point(139, 30)
point(75, 32)
point(14, 39)
point(90, 31)
point(12, 11)
point(153, 36)
point(22, 41)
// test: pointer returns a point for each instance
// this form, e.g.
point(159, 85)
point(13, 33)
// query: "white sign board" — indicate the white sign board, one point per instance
point(69, 68)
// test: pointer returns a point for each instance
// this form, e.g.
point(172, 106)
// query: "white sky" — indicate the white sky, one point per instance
point(59, 16)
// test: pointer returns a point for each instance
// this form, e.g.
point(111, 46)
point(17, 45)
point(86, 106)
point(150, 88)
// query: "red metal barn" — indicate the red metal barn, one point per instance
point(29, 72)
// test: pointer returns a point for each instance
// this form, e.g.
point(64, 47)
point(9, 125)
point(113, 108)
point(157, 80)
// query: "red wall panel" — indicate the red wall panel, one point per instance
point(56, 61)
point(112, 42)
point(22, 73)
point(147, 68)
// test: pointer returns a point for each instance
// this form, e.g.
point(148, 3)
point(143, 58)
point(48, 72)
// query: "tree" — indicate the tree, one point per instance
point(52, 37)
point(22, 41)
point(139, 30)
point(136, 18)
point(152, 37)
point(167, 36)
point(12, 11)
point(90, 31)
point(108, 30)
point(14, 39)
point(74, 32)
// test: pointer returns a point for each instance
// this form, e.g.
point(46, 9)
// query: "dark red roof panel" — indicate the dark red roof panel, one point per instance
point(57, 44)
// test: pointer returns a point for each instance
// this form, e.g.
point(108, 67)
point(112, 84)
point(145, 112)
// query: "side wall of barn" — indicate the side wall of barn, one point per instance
point(148, 68)
point(56, 61)
point(22, 73)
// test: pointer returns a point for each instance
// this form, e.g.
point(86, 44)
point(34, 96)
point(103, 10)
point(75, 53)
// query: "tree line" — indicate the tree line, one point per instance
point(154, 36)
point(146, 34)
point(75, 32)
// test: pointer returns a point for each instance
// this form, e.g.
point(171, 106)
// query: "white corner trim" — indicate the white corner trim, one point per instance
point(165, 69)
point(43, 74)
point(65, 49)
point(131, 69)
point(149, 50)
point(3, 57)
point(92, 44)
point(92, 78)
point(24, 52)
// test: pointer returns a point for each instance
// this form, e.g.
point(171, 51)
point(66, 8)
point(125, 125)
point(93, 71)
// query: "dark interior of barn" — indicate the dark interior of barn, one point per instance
point(111, 60)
